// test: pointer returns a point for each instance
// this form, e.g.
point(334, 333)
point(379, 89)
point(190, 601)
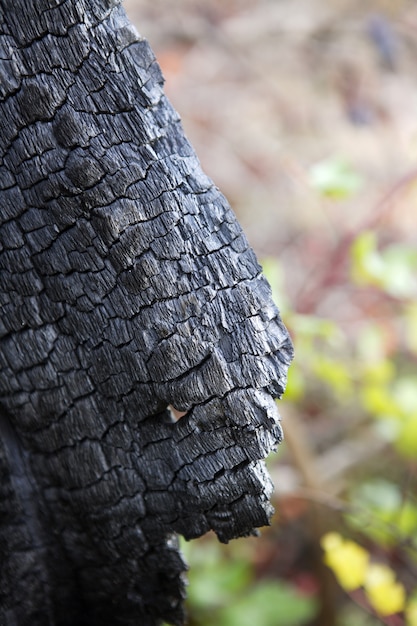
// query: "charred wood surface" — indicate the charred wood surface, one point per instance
point(126, 286)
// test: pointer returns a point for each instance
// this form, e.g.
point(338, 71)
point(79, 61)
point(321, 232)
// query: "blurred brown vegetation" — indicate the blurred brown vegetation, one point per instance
point(268, 88)
point(304, 112)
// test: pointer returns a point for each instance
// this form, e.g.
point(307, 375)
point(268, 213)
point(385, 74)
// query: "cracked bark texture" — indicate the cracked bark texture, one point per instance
point(127, 285)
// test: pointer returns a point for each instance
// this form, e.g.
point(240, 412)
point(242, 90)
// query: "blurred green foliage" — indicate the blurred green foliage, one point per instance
point(223, 591)
point(394, 269)
point(335, 178)
point(381, 513)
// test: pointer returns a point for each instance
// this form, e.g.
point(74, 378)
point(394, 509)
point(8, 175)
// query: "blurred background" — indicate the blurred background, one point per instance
point(304, 112)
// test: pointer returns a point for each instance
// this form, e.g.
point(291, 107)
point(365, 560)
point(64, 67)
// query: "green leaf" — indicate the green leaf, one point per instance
point(269, 604)
point(382, 512)
point(295, 384)
point(394, 270)
point(335, 178)
point(352, 615)
point(380, 494)
point(214, 579)
point(405, 394)
point(367, 264)
point(314, 327)
point(406, 440)
point(335, 373)
point(400, 278)
point(379, 401)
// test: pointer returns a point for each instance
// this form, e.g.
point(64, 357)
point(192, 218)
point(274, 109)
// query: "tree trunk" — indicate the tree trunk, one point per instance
point(126, 286)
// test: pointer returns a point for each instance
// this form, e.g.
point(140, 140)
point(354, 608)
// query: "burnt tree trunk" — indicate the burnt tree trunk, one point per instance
point(126, 286)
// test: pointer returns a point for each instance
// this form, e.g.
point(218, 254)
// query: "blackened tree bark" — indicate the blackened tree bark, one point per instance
point(126, 286)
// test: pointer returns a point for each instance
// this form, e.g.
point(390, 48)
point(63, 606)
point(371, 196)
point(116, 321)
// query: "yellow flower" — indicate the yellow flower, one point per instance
point(385, 594)
point(347, 559)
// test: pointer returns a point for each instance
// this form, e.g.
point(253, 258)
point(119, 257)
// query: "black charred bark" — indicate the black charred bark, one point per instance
point(126, 286)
